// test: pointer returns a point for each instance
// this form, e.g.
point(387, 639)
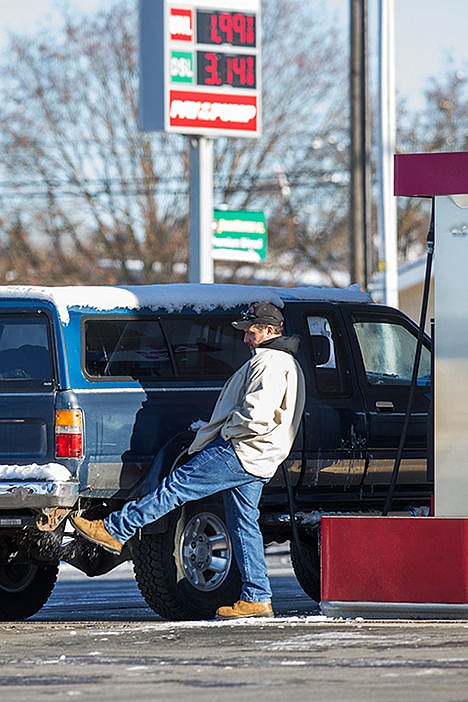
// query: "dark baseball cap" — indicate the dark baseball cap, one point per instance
point(259, 313)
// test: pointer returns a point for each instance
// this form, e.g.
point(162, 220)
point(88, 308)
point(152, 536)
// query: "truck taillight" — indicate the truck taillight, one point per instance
point(68, 433)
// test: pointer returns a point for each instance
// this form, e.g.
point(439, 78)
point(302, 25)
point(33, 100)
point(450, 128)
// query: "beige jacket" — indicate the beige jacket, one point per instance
point(259, 410)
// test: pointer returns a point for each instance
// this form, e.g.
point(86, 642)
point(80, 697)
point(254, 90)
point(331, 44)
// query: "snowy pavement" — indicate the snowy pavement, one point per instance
point(115, 596)
point(97, 639)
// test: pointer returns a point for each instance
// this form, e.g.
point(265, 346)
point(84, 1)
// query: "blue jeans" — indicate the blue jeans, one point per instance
point(215, 468)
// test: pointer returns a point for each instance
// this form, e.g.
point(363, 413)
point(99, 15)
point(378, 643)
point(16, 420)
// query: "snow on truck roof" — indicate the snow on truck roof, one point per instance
point(173, 297)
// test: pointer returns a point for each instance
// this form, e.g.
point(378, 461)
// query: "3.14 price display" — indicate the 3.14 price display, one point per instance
point(234, 28)
point(236, 70)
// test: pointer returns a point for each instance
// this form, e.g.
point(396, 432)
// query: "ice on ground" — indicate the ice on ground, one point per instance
point(173, 297)
point(33, 471)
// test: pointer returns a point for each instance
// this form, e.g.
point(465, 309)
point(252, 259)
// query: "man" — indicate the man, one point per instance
point(250, 432)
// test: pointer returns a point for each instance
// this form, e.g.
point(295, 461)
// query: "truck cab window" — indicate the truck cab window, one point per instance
point(325, 355)
point(388, 349)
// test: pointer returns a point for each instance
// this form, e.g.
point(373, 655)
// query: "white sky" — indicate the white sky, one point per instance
point(427, 31)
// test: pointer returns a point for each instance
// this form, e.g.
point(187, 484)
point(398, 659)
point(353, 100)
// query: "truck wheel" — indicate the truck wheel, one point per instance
point(24, 588)
point(189, 571)
point(305, 559)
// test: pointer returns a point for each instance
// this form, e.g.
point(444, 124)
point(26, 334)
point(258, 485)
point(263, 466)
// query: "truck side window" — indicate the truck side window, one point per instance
point(24, 348)
point(388, 350)
point(325, 357)
point(127, 348)
point(205, 347)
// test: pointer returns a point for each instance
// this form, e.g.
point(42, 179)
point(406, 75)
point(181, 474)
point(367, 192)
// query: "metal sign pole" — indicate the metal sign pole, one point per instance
point(201, 210)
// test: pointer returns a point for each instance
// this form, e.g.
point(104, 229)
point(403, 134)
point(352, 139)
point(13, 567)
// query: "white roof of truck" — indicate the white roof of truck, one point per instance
point(173, 297)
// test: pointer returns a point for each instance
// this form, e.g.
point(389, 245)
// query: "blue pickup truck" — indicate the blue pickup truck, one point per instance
point(100, 391)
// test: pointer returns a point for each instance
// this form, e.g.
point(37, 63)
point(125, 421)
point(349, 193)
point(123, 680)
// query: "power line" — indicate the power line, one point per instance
point(170, 185)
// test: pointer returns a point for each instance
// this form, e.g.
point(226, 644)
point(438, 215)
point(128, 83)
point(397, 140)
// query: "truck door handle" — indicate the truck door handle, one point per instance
point(384, 406)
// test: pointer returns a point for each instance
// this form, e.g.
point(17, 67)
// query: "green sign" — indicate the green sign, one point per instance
point(239, 235)
point(181, 68)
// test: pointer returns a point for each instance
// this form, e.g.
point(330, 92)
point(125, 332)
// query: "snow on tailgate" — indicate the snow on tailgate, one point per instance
point(48, 471)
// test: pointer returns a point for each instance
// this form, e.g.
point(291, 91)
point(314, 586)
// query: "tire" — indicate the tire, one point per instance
point(24, 588)
point(189, 571)
point(305, 559)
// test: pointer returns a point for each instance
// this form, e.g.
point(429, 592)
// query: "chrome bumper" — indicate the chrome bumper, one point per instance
point(38, 494)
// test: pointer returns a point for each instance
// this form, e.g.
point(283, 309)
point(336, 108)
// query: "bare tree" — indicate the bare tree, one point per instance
point(298, 170)
point(89, 185)
point(104, 201)
point(87, 197)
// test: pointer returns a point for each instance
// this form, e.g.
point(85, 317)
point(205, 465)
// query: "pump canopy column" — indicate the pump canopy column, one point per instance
point(444, 176)
point(417, 566)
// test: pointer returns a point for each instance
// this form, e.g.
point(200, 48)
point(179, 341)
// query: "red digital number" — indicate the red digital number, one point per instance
point(243, 26)
point(242, 68)
point(236, 29)
point(211, 67)
point(250, 71)
point(250, 30)
point(225, 26)
point(214, 34)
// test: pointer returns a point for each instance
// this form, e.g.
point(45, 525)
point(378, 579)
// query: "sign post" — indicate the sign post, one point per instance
point(200, 76)
point(201, 210)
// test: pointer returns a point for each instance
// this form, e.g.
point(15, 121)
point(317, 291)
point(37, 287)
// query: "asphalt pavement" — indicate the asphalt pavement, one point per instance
point(96, 638)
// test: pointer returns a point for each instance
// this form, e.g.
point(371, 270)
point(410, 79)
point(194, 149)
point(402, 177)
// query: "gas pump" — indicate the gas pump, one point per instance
point(417, 566)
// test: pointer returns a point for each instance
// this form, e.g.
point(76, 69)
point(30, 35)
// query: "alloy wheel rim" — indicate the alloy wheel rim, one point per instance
point(206, 551)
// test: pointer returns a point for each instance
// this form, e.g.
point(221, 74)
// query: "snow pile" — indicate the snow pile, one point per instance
point(48, 471)
point(173, 297)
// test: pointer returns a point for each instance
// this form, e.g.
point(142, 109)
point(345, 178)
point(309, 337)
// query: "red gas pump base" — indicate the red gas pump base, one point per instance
point(395, 567)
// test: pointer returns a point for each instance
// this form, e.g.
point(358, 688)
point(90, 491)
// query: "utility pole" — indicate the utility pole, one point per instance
point(360, 146)
point(388, 248)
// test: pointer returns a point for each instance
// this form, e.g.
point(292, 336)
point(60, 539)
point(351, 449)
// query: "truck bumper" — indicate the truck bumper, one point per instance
point(38, 494)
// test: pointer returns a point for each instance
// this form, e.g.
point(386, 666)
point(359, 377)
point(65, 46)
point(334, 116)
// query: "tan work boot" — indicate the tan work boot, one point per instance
point(95, 531)
point(245, 609)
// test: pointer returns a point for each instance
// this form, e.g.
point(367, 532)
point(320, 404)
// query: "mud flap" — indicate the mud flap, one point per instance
point(90, 558)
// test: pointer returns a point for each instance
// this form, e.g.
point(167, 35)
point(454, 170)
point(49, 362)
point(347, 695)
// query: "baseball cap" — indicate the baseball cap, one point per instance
point(259, 313)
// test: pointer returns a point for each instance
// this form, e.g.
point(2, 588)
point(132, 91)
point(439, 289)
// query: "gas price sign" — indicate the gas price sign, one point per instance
point(210, 67)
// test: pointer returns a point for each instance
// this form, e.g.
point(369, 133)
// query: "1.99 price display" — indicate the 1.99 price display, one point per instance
point(234, 28)
point(236, 70)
